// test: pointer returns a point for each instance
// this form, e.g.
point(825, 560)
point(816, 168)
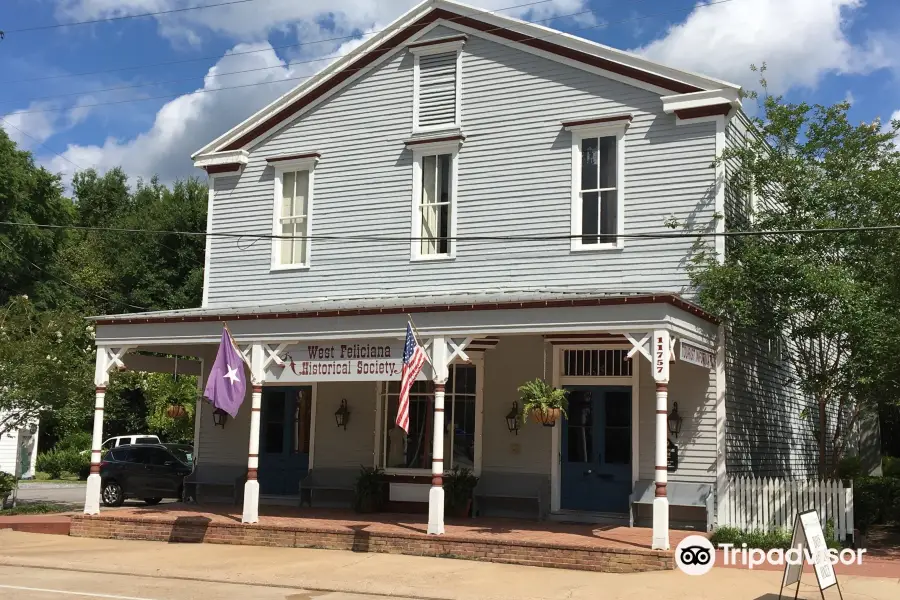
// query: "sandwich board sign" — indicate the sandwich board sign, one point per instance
point(808, 540)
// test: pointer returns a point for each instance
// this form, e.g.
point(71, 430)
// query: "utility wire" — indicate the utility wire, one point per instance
point(124, 17)
point(218, 56)
point(305, 77)
point(484, 238)
point(41, 144)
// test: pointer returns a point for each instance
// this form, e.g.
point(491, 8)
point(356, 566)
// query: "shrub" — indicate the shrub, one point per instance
point(876, 501)
point(79, 441)
point(7, 484)
point(890, 466)
point(764, 540)
point(850, 468)
point(56, 462)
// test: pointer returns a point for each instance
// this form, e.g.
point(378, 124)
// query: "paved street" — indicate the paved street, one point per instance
point(179, 570)
point(51, 584)
point(67, 494)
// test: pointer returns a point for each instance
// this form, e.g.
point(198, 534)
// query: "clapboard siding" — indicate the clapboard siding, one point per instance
point(514, 178)
point(766, 434)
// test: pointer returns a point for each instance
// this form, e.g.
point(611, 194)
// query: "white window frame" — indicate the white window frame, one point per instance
point(476, 359)
point(420, 151)
point(307, 163)
point(438, 48)
point(588, 131)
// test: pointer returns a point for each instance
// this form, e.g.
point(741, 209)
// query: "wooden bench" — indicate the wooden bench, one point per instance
point(527, 487)
point(697, 495)
point(330, 479)
point(228, 477)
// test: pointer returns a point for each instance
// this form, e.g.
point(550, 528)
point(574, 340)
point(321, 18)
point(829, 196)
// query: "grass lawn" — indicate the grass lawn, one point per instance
point(41, 508)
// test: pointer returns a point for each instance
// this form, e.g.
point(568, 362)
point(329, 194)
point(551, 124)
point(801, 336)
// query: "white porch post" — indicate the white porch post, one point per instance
point(436, 494)
point(106, 359)
point(251, 487)
point(661, 350)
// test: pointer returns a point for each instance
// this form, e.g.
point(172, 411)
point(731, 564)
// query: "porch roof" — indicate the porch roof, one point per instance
point(475, 314)
point(411, 303)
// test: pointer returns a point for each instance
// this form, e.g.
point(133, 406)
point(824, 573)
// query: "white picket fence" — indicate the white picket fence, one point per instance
point(765, 504)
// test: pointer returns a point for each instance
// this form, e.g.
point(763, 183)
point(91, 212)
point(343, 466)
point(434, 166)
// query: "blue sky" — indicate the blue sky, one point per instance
point(817, 50)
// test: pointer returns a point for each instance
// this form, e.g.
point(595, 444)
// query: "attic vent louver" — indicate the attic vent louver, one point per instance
point(437, 90)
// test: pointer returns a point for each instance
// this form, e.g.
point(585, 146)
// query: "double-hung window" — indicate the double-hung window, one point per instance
point(434, 200)
point(293, 212)
point(598, 198)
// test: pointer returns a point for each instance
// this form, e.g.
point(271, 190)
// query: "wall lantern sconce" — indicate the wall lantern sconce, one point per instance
point(674, 420)
point(512, 418)
point(342, 415)
point(220, 417)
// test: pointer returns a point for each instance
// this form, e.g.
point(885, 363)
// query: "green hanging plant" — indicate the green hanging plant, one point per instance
point(543, 402)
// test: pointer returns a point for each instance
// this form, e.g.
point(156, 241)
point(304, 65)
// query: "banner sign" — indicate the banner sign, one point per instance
point(809, 539)
point(368, 360)
point(696, 355)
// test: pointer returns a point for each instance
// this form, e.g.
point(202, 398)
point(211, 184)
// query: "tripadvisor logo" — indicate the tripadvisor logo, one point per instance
point(695, 555)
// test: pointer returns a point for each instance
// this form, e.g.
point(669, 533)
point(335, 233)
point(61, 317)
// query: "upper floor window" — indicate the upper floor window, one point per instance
point(438, 84)
point(598, 199)
point(293, 212)
point(434, 201)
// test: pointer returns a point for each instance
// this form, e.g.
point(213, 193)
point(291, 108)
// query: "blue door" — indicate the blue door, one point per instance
point(284, 439)
point(595, 474)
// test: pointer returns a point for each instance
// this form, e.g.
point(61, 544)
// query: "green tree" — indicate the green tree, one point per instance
point(833, 296)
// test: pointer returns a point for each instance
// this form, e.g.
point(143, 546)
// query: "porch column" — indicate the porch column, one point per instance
point(661, 350)
point(436, 494)
point(251, 487)
point(92, 493)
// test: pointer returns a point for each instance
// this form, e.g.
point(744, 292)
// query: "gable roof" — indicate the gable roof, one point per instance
point(700, 91)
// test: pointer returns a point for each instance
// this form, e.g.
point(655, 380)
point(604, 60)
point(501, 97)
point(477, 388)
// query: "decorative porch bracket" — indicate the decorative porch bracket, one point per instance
point(107, 359)
point(658, 347)
point(444, 350)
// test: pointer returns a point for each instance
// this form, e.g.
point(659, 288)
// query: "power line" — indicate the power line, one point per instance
point(484, 238)
point(124, 17)
point(333, 57)
point(216, 57)
point(288, 79)
point(41, 144)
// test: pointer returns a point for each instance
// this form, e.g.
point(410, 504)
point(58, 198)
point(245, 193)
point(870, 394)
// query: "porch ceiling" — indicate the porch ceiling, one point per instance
point(463, 314)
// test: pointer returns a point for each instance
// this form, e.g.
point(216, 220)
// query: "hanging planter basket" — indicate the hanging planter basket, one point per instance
point(546, 417)
point(176, 411)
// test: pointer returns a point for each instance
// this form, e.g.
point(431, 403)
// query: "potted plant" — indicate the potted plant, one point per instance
point(459, 485)
point(175, 411)
point(368, 492)
point(543, 402)
point(7, 485)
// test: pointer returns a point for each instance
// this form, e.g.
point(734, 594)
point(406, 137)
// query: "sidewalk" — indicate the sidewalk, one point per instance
point(402, 576)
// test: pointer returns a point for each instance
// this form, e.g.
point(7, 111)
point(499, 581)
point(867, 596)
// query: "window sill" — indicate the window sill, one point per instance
point(598, 248)
point(432, 258)
point(411, 472)
point(288, 268)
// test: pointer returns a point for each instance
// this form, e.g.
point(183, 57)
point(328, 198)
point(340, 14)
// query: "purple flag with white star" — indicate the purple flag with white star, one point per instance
point(227, 384)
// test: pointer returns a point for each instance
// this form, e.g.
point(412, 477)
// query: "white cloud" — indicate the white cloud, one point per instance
point(188, 122)
point(32, 126)
point(801, 41)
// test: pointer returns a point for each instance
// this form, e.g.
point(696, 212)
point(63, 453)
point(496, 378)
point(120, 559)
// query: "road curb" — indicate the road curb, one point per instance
point(23, 485)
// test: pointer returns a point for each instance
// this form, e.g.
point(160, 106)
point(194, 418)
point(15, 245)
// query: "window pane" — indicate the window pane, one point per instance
point(287, 243)
point(302, 193)
point(589, 217)
point(429, 173)
point(287, 194)
point(299, 255)
point(430, 222)
point(608, 162)
point(617, 446)
point(399, 449)
point(581, 444)
point(609, 216)
point(589, 164)
point(618, 409)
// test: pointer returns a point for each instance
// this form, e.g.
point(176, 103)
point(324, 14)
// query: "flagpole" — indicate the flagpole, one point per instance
point(418, 335)
point(234, 343)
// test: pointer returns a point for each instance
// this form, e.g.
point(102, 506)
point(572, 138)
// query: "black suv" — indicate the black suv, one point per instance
point(148, 471)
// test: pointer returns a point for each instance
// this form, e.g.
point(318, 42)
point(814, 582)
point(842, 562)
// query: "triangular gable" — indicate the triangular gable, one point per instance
point(697, 91)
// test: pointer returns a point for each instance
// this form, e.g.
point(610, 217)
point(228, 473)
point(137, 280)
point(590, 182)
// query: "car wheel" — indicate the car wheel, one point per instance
point(112, 494)
point(152, 501)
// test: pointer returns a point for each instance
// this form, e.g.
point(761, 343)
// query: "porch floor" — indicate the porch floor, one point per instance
point(545, 543)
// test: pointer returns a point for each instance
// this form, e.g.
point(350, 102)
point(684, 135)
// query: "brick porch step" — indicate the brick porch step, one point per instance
point(53, 524)
point(194, 529)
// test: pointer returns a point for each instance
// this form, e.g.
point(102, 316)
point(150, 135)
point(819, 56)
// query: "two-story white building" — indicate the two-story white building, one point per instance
point(506, 186)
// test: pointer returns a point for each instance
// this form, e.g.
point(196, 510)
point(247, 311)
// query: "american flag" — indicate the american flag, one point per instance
point(413, 361)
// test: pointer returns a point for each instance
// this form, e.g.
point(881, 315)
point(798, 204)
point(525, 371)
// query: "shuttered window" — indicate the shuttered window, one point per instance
point(437, 89)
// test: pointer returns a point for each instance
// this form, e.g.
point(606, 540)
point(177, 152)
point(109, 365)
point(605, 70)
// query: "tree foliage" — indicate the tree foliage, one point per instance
point(832, 296)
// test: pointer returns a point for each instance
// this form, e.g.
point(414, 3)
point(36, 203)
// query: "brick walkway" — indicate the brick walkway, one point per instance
point(579, 546)
point(56, 524)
